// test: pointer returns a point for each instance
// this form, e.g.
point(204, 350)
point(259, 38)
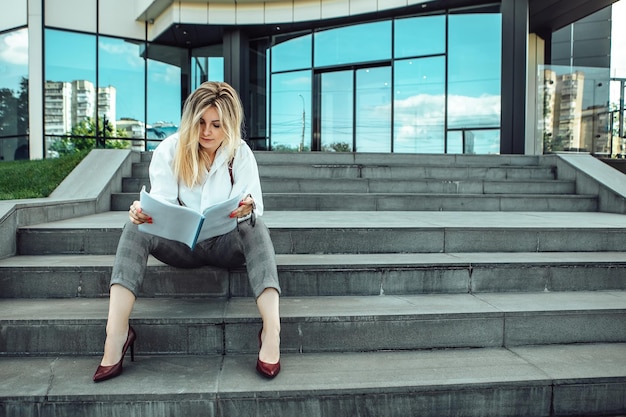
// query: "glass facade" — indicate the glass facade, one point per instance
point(417, 84)
point(428, 84)
point(14, 95)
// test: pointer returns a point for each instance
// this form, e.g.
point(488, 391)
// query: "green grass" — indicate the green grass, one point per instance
point(38, 178)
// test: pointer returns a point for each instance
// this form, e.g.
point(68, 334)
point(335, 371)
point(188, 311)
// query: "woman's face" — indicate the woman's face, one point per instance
point(211, 131)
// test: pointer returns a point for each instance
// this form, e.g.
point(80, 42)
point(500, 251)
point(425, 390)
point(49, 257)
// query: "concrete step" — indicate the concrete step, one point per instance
point(428, 202)
point(321, 324)
point(403, 202)
point(365, 185)
point(386, 159)
point(393, 159)
point(395, 172)
point(534, 381)
point(327, 232)
point(407, 172)
point(68, 276)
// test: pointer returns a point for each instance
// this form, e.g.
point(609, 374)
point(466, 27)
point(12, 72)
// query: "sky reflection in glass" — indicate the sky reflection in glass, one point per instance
point(290, 97)
point(337, 113)
point(419, 105)
point(352, 44)
point(292, 54)
point(419, 36)
point(373, 109)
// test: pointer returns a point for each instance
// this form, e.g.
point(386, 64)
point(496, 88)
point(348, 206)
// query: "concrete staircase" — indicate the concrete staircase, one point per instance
point(412, 285)
point(340, 182)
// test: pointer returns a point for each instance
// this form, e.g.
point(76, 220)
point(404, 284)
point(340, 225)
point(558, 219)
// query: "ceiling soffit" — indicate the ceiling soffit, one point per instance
point(545, 16)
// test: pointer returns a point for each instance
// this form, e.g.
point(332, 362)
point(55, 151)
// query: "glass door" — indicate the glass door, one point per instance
point(373, 110)
point(336, 110)
point(353, 110)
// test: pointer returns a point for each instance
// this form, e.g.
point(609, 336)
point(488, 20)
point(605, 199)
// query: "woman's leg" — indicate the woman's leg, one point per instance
point(268, 305)
point(252, 244)
point(121, 303)
point(260, 257)
point(129, 269)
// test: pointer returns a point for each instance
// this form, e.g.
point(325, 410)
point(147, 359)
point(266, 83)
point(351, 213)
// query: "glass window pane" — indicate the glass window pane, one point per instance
point(70, 96)
point(485, 141)
point(292, 54)
point(337, 111)
point(63, 63)
point(474, 70)
point(351, 44)
point(419, 105)
point(164, 92)
point(417, 36)
point(207, 64)
point(204, 68)
point(373, 109)
point(14, 95)
point(256, 121)
point(574, 108)
point(121, 93)
point(455, 142)
point(290, 104)
point(467, 141)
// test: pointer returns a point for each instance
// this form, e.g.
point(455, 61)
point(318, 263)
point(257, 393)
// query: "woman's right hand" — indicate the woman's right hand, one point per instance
point(136, 215)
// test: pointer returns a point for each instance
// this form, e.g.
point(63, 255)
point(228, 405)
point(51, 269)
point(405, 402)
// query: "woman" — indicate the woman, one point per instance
point(205, 163)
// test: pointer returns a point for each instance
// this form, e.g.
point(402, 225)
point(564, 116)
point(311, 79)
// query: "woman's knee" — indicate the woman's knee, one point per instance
point(254, 228)
point(131, 233)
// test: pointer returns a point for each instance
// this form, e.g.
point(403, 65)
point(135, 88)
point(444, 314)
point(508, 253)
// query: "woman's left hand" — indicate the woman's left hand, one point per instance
point(245, 207)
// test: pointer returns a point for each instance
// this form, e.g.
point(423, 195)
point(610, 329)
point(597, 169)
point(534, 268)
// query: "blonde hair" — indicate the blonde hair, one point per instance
point(188, 160)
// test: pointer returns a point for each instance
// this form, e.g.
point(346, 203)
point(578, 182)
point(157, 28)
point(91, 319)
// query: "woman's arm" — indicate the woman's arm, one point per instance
point(163, 182)
point(247, 181)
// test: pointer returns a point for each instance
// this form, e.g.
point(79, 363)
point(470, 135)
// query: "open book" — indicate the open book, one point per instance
point(185, 225)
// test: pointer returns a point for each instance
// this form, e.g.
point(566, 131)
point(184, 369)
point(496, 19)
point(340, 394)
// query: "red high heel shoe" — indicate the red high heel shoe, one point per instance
point(107, 372)
point(268, 370)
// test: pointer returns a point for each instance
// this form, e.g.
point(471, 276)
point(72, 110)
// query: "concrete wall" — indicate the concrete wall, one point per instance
point(592, 176)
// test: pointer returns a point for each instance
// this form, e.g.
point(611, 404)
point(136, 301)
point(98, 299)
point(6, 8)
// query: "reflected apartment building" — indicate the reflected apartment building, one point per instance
point(563, 111)
point(67, 104)
point(571, 122)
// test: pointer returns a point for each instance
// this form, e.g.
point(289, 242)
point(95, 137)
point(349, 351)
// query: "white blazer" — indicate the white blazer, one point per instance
point(217, 185)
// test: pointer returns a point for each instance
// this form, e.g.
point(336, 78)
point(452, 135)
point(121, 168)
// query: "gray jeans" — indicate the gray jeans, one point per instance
point(248, 243)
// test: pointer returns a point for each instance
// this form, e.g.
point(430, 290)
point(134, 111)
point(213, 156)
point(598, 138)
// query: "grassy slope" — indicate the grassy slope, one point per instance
point(32, 179)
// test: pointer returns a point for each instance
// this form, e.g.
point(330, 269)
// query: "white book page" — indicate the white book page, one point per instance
point(170, 221)
point(217, 219)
